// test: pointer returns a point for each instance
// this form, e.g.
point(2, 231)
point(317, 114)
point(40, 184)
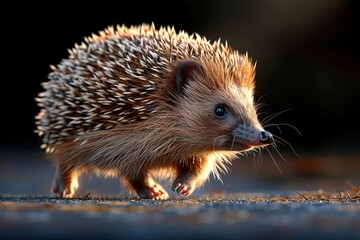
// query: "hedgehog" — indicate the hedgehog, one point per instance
point(140, 103)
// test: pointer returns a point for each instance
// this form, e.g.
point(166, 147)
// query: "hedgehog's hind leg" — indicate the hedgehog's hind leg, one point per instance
point(146, 187)
point(65, 182)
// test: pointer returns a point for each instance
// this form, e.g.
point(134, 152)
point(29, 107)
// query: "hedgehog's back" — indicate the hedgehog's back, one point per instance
point(117, 77)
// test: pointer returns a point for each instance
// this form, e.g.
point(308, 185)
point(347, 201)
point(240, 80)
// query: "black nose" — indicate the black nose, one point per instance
point(266, 137)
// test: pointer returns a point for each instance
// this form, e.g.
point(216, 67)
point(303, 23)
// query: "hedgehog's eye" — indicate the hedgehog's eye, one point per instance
point(220, 111)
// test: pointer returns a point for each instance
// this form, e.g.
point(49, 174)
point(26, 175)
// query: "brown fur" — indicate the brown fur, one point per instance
point(172, 135)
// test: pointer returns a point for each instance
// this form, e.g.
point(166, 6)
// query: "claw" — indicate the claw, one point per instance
point(176, 187)
point(183, 189)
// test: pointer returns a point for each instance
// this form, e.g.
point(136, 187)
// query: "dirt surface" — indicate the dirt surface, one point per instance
point(249, 204)
point(228, 217)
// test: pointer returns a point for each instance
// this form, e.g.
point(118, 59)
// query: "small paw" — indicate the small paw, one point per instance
point(155, 192)
point(184, 189)
point(64, 189)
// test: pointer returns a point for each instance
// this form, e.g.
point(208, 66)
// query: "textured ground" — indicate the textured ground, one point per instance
point(245, 207)
point(231, 218)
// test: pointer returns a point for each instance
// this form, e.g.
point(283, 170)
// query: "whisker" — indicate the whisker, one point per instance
point(260, 160)
point(258, 106)
point(254, 157)
point(273, 125)
point(272, 116)
point(214, 142)
point(273, 160)
point(274, 142)
point(257, 160)
point(232, 144)
point(278, 141)
point(259, 99)
point(280, 154)
point(287, 143)
point(254, 153)
point(283, 124)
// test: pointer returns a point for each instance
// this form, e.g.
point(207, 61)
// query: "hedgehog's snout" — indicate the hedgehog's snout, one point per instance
point(266, 137)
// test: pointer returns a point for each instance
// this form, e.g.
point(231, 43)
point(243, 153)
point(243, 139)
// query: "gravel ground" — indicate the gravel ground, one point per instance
point(244, 207)
point(229, 218)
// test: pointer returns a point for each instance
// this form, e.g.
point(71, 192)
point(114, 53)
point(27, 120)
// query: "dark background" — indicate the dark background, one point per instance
point(307, 55)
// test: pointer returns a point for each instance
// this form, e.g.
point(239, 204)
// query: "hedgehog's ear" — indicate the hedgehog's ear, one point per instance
point(185, 71)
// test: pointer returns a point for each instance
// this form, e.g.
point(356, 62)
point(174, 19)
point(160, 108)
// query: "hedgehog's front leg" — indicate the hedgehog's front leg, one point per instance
point(146, 187)
point(191, 174)
point(185, 183)
point(65, 182)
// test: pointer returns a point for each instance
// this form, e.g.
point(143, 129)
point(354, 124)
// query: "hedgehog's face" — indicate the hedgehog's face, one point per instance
point(221, 117)
point(234, 116)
